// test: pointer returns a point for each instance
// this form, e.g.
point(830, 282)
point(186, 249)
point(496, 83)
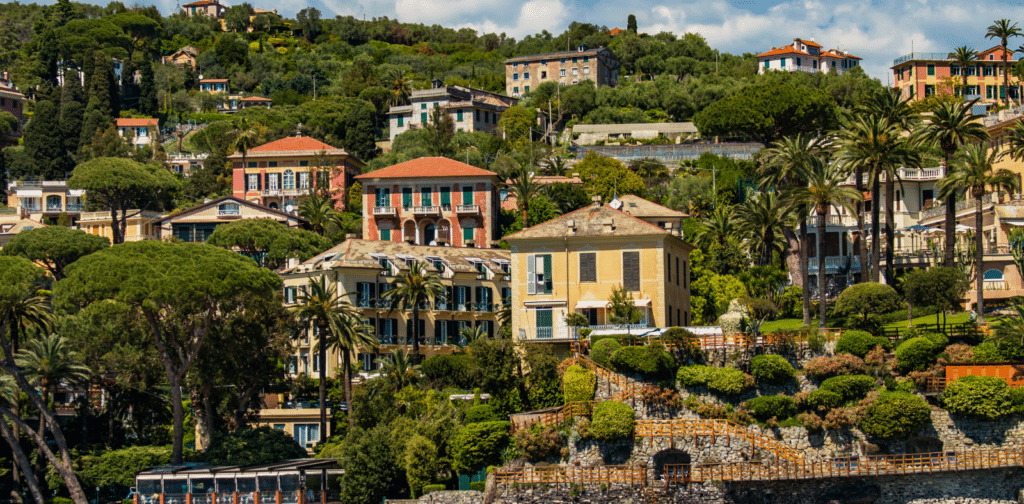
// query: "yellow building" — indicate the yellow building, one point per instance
point(476, 282)
point(141, 225)
point(572, 263)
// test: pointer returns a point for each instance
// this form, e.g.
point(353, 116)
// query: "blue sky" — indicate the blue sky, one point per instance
point(876, 30)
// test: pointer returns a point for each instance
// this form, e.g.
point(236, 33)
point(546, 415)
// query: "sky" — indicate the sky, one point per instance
point(876, 30)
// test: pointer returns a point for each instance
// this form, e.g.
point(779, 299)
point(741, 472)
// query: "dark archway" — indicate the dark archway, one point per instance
point(669, 457)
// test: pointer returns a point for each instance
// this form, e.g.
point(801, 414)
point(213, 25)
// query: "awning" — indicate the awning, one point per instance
point(642, 302)
point(591, 304)
point(1013, 222)
point(553, 302)
point(30, 193)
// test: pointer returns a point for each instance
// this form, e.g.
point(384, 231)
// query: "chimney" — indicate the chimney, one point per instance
point(596, 199)
point(293, 262)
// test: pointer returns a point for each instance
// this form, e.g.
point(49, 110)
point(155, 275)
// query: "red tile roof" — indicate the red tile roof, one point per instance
point(810, 43)
point(130, 123)
point(428, 167)
point(201, 3)
point(782, 50)
point(615, 31)
point(256, 98)
point(213, 80)
point(293, 144)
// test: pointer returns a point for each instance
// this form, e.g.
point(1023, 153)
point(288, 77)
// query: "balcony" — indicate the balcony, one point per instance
point(994, 285)
point(549, 334)
point(920, 56)
point(482, 307)
point(442, 305)
point(834, 264)
point(467, 209)
point(73, 207)
point(272, 192)
point(366, 303)
point(904, 173)
point(967, 204)
point(385, 210)
point(54, 207)
point(426, 210)
point(832, 220)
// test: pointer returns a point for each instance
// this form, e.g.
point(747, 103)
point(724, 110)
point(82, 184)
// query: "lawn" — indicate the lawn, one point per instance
point(925, 322)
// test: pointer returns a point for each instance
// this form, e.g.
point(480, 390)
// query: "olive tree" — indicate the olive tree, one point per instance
point(181, 290)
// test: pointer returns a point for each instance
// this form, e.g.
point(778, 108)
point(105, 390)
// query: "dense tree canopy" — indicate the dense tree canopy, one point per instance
point(54, 246)
point(268, 242)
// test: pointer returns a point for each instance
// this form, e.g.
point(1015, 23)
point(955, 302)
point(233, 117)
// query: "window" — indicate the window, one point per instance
point(307, 435)
point(254, 182)
point(515, 65)
point(251, 164)
point(562, 72)
point(303, 180)
point(766, 62)
point(458, 116)
point(586, 70)
point(588, 267)
point(385, 235)
point(544, 323)
point(574, 60)
point(228, 209)
point(538, 274)
point(401, 121)
point(991, 56)
point(468, 228)
point(515, 76)
point(586, 59)
point(289, 180)
point(575, 71)
point(425, 197)
point(929, 90)
point(423, 118)
point(383, 197)
point(782, 62)
point(467, 195)
point(814, 65)
point(388, 329)
point(544, 74)
point(986, 71)
point(406, 197)
point(631, 271)
point(526, 89)
point(423, 106)
point(272, 182)
point(303, 164)
point(955, 70)
point(798, 62)
point(931, 69)
point(526, 75)
point(677, 271)
point(446, 197)
point(272, 164)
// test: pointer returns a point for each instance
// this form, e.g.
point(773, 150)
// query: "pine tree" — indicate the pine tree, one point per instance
point(44, 142)
point(72, 111)
point(129, 90)
point(147, 89)
point(94, 123)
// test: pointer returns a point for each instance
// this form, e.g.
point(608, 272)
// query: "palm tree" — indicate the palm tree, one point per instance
point(1011, 328)
point(762, 219)
point(784, 158)
point(410, 290)
point(245, 139)
point(963, 56)
point(352, 333)
point(977, 175)
point(1002, 29)
point(317, 211)
point(554, 165)
point(824, 189)
point(718, 228)
point(323, 309)
point(400, 368)
point(948, 127)
point(525, 187)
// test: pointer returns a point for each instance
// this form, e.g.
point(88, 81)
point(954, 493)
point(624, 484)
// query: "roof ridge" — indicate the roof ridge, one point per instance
point(588, 207)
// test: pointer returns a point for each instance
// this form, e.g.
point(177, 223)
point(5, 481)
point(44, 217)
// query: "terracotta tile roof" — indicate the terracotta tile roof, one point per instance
point(615, 31)
point(134, 123)
point(269, 213)
point(836, 53)
point(555, 55)
point(591, 222)
point(357, 253)
point(256, 98)
point(213, 80)
point(293, 146)
point(428, 167)
point(809, 43)
point(783, 50)
point(201, 3)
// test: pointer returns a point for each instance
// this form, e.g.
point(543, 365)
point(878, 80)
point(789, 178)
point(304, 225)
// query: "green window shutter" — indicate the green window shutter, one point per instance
point(446, 196)
point(547, 274)
point(467, 233)
point(400, 121)
point(459, 116)
point(425, 197)
point(423, 118)
point(631, 271)
point(467, 195)
point(385, 235)
point(406, 197)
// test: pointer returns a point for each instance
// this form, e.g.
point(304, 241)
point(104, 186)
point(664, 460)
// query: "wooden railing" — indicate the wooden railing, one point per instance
point(872, 465)
point(747, 340)
point(553, 417)
point(633, 476)
point(716, 429)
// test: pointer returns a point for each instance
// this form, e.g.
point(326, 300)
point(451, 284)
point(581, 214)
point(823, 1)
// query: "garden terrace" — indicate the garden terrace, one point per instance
point(716, 429)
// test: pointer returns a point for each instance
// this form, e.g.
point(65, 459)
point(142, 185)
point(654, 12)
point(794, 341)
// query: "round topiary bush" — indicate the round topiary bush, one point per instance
point(823, 401)
point(767, 407)
point(849, 387)
point(985, 396)
point(859, 343)
point(612, 420)
point(650, 361)
point(481, 413)
point(864, 302)
point(602, 351)
point(730, 381)
point(915, 354)
point(578, 384)
point(895, 415)
point(772, 369)
point(939, 340)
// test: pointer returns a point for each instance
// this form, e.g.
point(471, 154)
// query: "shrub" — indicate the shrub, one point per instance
point(602, 351)
point(694, 376)
point(578, 384)
point(895, 415)
point(653, 394)
point(859, 343)
point(772, 369)
point(706, 409)
point(612, 420)
point(262, 445)
point(864, 302)
point(823, 401)
point(839, 418)
point(478, 486)
point(915, 354)
point(725, 380)
point(826, 367)
point(448, 371)
point(479, 445)
point(61, 500)
point(958, 353)
point(481, 413)
point(790, 303)
point(810, 421)
point(1017, 398)
point(986, 352)
point(939, 340)
point(679, 337)
point(985, 396)
point(618, 338)
point(849, 387)
point(876, 357)
point(539, 442)
point(433, 488)
point(766, 407)
point(650, 361)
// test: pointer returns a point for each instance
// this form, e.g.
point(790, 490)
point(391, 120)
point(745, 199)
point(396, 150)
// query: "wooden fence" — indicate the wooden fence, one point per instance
point(748, 341)
point(716, 429)
point(624, 475)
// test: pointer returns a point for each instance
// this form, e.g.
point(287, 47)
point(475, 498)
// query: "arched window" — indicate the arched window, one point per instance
point(228, 209)
point(289, 180)
point(993, 274)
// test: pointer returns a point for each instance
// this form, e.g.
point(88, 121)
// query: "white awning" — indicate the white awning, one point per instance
point(1013, 222)
point(641, 302)
point(552, 302)
point(591, 304)
point(30, 193)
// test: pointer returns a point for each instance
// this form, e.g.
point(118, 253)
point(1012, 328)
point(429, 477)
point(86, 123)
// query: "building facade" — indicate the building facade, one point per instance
point(186, 56)
point(41, 199)
point(524, 73)
point(196, 224)
point(471, 109)
point(278, 173)
point(806, 56)
point(431, 200)
point(141, 132)
point(214, 85)
point(918, 75)
point(573, 263)
point(208, 8)
point(140, 226)
point(476, 284)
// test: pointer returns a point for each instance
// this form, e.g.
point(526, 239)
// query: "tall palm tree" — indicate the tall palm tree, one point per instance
point(351, 334)
point(1003, 29)
point(717, 228)
point(411, 289)
point(949, 126)
point(318, 212)
point(326, 313)
point(823, 190)
point(245, 139)
point(762, 218)
point(977, 176)
point(784, 158)
point(400, 368)
point(963, 56)
point(525, 187)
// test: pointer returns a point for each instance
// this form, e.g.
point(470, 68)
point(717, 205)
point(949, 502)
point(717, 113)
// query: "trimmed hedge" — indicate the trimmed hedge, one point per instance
point(859, 343)
point(479, 486)
point(481, 413)
point(578, 384)
point(724, 380)
point(433, 488)
point(915, 354)
point(766, 407)
point(772, 369)
point(985, 396)
point(602, 351)
point(650, 361)
point(612, 420)
point(895, 415)
point(823, 401)
point(849, 387)
point(694, 376)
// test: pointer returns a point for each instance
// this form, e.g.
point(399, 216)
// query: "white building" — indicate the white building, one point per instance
point(806, 56)
point(471, 109)
point(142, 132)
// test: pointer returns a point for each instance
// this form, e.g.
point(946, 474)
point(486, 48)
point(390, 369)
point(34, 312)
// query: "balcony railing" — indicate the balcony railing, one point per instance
point(482, 307)
point(426, 210)
point(54, 207)
point(272, 192)
point(32, 208)
point(228, 212)
point(833, 264)
point(920, 56)
point(966, 204)
point(384, 210)
point(74, 207)
point(933, 173)
point(994, 285)
point(467, 209)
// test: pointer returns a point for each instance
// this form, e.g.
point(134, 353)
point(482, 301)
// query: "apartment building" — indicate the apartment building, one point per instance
point(431, 201)
point(806, 56)
point(278, 173)
point(476, 285)
point(141, 225)
point(573, 262)
point(471, 109)
point(524, 73)
point(920, 74)
point(196, 224)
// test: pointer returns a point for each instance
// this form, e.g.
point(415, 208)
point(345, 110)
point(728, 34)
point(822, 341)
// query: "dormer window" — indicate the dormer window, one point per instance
point(383, 260)
point(436, 262)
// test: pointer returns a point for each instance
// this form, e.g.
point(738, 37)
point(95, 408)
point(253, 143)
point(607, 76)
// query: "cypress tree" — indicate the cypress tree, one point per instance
point(147, 89)
point(88, 69)
point(44, 142)
point(72, 111)
point(129, 90)
point(102, 86)
point(94, 123)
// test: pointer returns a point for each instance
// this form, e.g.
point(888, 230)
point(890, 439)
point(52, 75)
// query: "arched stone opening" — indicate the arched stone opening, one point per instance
point(409, 232)
point(665, 463)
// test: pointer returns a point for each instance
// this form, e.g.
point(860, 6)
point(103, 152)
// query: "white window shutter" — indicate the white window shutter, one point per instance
point(531, 274)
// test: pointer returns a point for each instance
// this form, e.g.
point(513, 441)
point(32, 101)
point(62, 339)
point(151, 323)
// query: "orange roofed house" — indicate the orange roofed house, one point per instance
point(806, 56)
point(141, 132)
point(919, 75)
point(431, 201)
point(209, 8)
point(278, 173)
